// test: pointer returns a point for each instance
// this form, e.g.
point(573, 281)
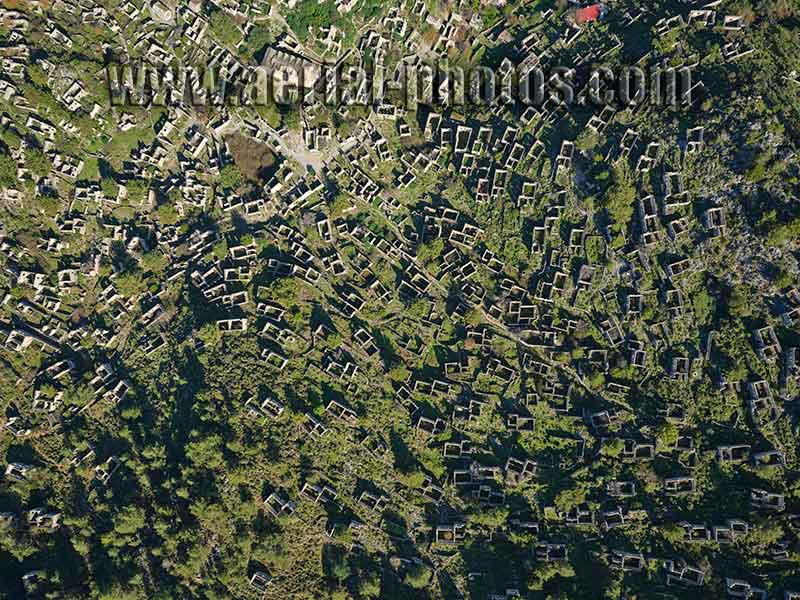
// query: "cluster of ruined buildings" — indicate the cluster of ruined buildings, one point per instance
point(342, 256)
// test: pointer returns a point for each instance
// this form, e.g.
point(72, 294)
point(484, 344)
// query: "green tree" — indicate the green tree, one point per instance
point(704, 306)
point(129, 521)
point(418, 576)
point(613, 447)
point(8, 171)
point(220, 249)
point(370, 586)
point(667, 435)
point(38, 162)
point(258, 37)
point(224, 28)
point(739, 303)
point(167, 214)
point(109, 187)
point(544, 572)
point(230, 177)
point(570, 498)
point(673, 533)
point(205, 452)
point(310, 13)
point(137, 191)
point(429, 251)
point(618, 202)
point(130, 283)
point(340, 569)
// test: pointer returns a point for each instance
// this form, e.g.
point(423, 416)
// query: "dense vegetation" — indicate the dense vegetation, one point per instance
point(369, 368)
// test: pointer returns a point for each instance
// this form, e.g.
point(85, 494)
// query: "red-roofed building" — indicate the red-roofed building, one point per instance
point(589, 13)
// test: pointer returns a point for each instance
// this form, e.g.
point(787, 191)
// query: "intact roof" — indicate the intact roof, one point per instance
point(588, 13)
